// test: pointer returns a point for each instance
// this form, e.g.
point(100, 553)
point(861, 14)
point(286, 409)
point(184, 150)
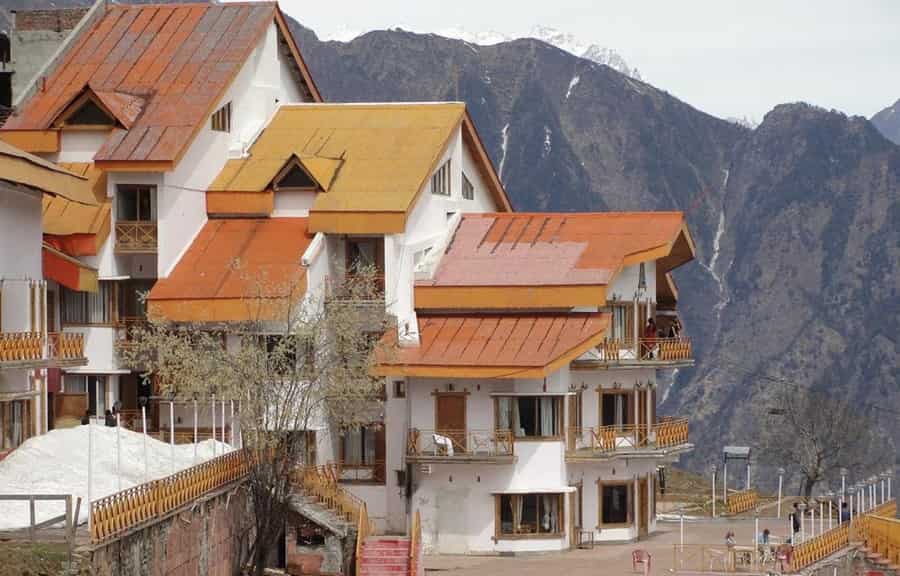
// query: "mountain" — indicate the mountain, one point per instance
point(888, 122)
point(568, 42)
point(796, 220)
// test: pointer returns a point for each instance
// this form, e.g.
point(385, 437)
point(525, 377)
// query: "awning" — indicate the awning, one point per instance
point(20, 167)
point(235, 270)
point(68, 271)
point(553, 490)
point(494, 346)
point(75, 228)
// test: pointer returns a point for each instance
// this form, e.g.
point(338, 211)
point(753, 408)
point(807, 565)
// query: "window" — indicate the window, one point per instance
point(440, 182)
point(615, 503)
point(529, 515)
point(362, 454)
point(133, 298)
point(136, 203)
point(221, 119)
point(622, 321)
point(307, 440)
point(468, 191)
point(89, 114)
point(530, 416)
point(616, 408)
point(81, 308)
point(309, 533)
point(294, 177)
point(575, 411)
point(15, 423)
point(399, 389)
point(94, 385)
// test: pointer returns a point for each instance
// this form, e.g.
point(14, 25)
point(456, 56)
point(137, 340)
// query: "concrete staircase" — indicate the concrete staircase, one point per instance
point(384, 556)
point(310, 507)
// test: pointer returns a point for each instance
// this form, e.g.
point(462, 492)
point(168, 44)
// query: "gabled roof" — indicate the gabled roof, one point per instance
point(159, 69)
point(235, 270)
point(372, 161)
point(491, 346)
point(21, 168)
point(549, 260)
point(78, 229)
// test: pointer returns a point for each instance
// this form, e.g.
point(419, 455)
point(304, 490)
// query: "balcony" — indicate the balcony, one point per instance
point(667, 437)
point(360, 473)
point(653, 352)
point(445, 446)
point(136, 237)
point(32, 350)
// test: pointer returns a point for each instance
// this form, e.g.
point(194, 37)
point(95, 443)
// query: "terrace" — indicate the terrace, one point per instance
point(667, 437)
point(31, 350)
point(463, 446)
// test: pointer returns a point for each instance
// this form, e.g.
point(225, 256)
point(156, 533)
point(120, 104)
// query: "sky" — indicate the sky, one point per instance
point(730, 58)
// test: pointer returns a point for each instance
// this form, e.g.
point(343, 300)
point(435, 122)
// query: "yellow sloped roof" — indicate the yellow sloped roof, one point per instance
point(20, 167)
point(368, 157)
point(62, 217)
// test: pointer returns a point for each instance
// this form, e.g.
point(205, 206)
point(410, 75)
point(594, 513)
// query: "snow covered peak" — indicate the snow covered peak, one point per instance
point(552, 36)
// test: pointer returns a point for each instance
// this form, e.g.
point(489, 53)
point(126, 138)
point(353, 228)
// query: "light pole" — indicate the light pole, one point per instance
point(802, 507)
point(780, 485)
point(883, 477)
point(713, 469)
point(830, 496)
point(812, 518)
point(860, 498)
point(850, 501)
point(843, 484)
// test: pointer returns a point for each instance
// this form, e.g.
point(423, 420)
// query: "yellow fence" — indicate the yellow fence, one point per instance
point(125, 510)
point(20, 346)
point(883, 538)
point(742, 501)
point(862, 529)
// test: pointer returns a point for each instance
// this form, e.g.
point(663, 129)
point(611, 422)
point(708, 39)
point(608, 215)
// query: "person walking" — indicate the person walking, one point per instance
point(795, 521)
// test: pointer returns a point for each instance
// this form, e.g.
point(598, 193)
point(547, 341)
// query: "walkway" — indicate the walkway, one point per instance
point(604, 558)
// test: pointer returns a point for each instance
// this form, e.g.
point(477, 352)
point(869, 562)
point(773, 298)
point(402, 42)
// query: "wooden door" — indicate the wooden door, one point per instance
point(450, 419)
point(643, 509)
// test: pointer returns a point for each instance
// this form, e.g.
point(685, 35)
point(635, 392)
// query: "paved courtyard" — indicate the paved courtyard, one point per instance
point(604, 558)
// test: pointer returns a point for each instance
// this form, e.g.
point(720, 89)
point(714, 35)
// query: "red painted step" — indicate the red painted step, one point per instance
point(384, 556)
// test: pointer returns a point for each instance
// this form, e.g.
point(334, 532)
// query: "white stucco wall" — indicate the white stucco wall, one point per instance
point(80, 145)
point(293, 203)
point(625, 284)
point(20, 235)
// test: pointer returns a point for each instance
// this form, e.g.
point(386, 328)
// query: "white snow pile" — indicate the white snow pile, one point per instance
point(57, 463)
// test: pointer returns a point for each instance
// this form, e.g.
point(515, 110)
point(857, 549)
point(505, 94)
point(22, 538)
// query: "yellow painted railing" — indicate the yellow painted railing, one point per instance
point(120, 512)
point(742, 501)
point(883, 538)
point(465, 443)
point(21, 346)
point(415, 545)
point(136, 236)
point(363, 531)
point(321, 482)
point(604, 439)
point(651, 349)
point(66, 345)
point(29, 346)
point(862, 529)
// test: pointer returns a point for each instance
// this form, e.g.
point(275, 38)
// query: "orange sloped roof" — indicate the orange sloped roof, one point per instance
point(78, 229)
point(495, 346)
point(160, 69)
point(231, 266)
point(549, 251)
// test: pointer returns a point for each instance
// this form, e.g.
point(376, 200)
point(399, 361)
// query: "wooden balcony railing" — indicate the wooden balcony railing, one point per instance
point(668, 433)
point(66, 345)
point(322, 483)
point(615, 350)
point(352, 289)
point(21, 346)
point(28, 347)
point(459, 444)
point(136, 236)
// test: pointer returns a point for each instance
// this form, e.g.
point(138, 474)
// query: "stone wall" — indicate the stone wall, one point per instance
point(206, 539)
point(56, 20)
point(324, 558)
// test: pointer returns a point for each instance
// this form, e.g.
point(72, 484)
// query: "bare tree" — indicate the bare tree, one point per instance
point(301, 361)
point(814, 435)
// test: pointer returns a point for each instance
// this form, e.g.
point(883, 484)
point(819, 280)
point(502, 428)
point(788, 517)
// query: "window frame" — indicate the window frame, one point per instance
point(628, 410)
point(137, 190)
point(499, 534)
point(441, 182)
point(629, 503)
point(108, 290)
point(468, 189)
point(559, 422)
point(220, 121)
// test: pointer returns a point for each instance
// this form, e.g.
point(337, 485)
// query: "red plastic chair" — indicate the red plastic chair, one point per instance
point(641, 557)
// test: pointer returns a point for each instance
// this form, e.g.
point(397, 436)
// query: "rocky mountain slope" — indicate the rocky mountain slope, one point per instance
point(797, 221)
point(888, 122)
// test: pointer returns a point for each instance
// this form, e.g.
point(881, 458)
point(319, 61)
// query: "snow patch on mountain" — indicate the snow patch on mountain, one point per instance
point(504, 136)
point(572, 84)
point(548, 142)
point(562, 40)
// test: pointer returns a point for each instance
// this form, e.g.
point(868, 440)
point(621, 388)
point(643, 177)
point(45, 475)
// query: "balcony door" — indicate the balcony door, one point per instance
point(450, 418)
point(366, 254)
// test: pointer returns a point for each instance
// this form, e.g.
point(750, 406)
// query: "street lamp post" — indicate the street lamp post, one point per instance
point(812, 518)
point(713, 469)
point(780, 485)
point(850, 502)
point(802, 508)
point(843, 484)
point(830, 496)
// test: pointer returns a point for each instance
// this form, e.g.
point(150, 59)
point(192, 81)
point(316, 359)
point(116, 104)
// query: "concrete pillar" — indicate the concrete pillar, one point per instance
point(650, 495)
point(649, 411)
point(725, 482)
point(637, 508)
point(637, 412)
point(748, 474)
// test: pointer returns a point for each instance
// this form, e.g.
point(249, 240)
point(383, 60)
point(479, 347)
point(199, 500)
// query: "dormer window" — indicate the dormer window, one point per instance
point(468, 190)
point(86, 111)
point(221, 119)
point(440, 182)
point(294, 177)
